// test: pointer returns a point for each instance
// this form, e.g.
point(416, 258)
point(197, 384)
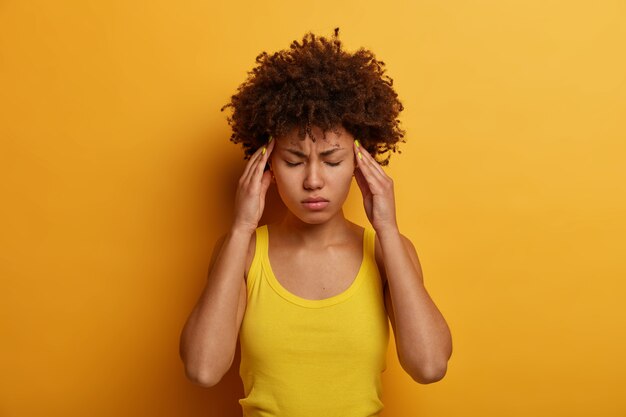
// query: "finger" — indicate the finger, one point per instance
point(259, 157)
point(365, 165)
point(251, 163)
point(378, 180)
point(368, 158)
point(361, 153)
point(266, 180)
point(260, 167)
point(270, 148)
point(362, 183)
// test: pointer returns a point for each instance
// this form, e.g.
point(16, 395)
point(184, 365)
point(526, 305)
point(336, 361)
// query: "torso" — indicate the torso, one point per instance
point(316, 273)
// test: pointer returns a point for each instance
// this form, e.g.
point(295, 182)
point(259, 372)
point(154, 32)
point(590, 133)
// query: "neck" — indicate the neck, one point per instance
point(314, 235)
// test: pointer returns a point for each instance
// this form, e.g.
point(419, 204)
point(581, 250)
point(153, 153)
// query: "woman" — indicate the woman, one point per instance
point(310, 296)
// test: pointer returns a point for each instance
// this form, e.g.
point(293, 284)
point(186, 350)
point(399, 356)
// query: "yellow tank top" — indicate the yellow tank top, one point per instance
point(313, 358)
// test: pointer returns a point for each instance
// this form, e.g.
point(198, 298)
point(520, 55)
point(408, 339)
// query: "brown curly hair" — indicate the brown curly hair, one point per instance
point(316, 83)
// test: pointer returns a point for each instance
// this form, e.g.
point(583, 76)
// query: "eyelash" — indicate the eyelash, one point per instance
point(292, 164)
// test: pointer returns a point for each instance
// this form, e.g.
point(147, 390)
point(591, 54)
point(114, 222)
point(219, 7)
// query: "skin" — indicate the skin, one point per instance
point(315, 254)
point(305, 239)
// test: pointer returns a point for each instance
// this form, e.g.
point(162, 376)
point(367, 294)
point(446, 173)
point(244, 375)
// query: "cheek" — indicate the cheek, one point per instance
point(284, 180)
point(344, 177)
point(280, 173)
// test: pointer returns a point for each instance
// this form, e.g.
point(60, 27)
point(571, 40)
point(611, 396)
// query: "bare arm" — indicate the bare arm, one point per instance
point(423, 339)
point(209, 338)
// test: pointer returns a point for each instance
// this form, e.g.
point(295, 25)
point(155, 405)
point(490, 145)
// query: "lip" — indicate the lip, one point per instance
point(314, 200)
point(315, 203)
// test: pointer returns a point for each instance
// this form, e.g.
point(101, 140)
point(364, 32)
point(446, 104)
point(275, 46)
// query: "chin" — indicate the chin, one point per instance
point(313, 217)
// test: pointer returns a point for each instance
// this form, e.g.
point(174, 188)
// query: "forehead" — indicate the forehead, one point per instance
point(335, 138)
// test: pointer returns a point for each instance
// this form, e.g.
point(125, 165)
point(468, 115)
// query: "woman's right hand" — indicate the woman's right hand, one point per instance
point(253, 184)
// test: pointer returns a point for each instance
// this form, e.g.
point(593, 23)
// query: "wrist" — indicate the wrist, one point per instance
point(242, 229)
point(387, 230)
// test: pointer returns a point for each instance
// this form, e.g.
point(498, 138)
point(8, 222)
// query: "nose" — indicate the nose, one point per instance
point(313, 177)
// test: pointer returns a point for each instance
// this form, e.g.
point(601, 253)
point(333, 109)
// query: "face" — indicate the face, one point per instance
point(313, 178)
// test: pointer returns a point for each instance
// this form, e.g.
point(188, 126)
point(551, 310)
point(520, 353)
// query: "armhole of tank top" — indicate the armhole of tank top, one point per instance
point(255, 265)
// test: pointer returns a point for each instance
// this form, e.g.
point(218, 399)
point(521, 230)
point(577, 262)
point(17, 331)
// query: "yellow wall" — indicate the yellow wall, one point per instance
point(117, 176)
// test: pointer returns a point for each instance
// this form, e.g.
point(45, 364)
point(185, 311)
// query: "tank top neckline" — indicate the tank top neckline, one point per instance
point(306, 302)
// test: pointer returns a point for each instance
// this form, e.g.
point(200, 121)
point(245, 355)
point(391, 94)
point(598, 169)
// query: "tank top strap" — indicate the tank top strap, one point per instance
point(370, 266)
point(260, 251)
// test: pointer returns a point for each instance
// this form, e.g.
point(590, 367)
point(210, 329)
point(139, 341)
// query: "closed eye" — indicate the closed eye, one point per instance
point(293, 164)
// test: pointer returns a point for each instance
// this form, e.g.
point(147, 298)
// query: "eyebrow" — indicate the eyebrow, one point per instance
point(303, 155)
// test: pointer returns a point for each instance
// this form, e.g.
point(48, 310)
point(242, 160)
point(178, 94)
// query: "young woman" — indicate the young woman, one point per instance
point(310, 296)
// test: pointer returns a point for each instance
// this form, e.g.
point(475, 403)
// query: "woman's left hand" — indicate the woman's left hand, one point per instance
point(377, 189)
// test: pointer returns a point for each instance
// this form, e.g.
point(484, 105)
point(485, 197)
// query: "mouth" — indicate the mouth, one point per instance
point(315, 203)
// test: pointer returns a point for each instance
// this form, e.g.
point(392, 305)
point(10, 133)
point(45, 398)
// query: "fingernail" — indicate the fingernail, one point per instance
point(360, 156)
point(357, 143)
point(263, 151)
point(270, 139)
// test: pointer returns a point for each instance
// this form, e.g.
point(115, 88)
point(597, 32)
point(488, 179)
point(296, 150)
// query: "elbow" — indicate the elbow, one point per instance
point(434, 375)
point(203, 377)
point(428, 374)
point(428, 371)
point(199, 369)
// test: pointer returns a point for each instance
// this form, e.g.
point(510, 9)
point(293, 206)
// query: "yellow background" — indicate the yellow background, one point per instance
point(117, 176)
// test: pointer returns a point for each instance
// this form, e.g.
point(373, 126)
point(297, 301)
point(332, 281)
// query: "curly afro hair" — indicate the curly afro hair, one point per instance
point(316, 83)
